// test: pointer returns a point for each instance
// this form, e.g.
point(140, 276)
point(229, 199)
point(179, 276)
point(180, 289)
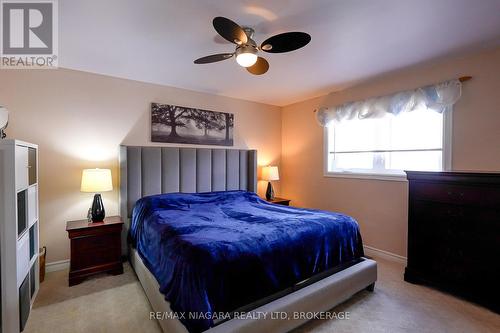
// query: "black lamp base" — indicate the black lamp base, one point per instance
point(97, 210)
point(269, 191)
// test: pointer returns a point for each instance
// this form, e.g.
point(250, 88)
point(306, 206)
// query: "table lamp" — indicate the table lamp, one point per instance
point(270, 173)
point(96, 181)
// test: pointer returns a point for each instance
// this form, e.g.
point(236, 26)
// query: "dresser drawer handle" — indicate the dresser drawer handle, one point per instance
point(450, 193)
point(455, 212)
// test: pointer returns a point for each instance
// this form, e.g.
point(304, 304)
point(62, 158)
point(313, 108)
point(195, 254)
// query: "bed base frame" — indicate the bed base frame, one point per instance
point(322, 295)
point(153, 170)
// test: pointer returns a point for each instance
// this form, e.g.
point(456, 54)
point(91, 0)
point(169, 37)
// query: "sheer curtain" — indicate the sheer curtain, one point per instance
point(409, 141)
point(439, 98)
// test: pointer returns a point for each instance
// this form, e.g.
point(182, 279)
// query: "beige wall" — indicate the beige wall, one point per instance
point(381, 206)
point(79, 119)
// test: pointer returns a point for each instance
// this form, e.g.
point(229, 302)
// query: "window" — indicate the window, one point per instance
point(387, 145)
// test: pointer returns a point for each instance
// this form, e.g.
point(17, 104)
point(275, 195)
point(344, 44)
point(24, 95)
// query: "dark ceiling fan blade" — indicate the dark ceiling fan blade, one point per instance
point(260, 67)
point(213, 58)
point(286, 42)
point(230, 30)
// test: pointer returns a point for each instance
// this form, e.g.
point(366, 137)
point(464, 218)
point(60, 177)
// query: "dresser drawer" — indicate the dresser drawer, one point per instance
point(455, 194)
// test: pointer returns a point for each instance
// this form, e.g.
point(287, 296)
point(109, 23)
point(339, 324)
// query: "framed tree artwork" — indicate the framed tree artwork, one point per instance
point(179, 124)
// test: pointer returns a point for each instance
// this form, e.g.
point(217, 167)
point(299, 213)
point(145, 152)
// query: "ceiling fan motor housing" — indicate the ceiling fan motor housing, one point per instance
point(250, 46)
point(247, 48)
point(249, 32)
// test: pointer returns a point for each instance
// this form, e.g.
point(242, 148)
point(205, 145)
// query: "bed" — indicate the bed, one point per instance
point(227, 260)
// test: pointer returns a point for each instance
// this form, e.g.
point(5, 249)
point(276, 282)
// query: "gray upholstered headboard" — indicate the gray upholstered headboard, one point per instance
point(154, 170)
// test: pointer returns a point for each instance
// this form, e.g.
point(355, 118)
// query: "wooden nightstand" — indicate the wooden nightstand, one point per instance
point(95, 248)
point(280, 201)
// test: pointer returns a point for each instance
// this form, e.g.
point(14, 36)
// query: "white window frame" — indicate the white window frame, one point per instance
point(447, 156)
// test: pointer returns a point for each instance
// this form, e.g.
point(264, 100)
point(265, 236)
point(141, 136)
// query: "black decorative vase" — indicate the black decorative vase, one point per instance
point(269, 191)
point(98, 212)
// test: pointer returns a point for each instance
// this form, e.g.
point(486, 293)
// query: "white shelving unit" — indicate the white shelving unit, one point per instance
point(19, 232)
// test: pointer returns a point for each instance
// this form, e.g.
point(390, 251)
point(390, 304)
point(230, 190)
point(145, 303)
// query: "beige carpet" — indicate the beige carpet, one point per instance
point(118, 304)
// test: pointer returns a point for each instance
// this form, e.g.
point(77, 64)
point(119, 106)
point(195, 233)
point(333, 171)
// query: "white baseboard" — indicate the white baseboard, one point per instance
point(56, 266)
point(372, 251)
point(369, 250)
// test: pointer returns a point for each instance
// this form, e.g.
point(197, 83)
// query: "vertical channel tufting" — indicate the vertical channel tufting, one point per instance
point(122, 159)
point(243, 170)
point(232, 169)
point(203, 170)
point(151, 171)
point(188, 170)
point(134, 186)
point(252, 171)
point(218, 170)
point(170, 170)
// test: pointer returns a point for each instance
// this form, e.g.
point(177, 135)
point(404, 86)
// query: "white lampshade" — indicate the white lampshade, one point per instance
point(96, 180)
point(270, 173)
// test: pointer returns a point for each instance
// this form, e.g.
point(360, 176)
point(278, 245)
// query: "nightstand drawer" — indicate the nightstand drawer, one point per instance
point(96, 243)
point(95, 258)
point(279, 201)
point(91, 251)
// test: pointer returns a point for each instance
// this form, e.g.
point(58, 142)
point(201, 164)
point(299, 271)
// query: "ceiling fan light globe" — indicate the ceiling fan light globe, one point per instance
point(246, 55)
point(246, 59)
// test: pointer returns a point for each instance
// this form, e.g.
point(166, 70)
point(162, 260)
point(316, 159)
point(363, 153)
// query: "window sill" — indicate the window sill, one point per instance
point(363, 175)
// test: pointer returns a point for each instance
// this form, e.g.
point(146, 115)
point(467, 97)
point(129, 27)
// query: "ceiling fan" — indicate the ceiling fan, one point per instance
point(247, 49)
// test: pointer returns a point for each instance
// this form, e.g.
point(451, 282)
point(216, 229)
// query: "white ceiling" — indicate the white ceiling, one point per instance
point(157, 40)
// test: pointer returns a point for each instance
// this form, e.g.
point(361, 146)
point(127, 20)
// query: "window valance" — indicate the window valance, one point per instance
point(438, 97)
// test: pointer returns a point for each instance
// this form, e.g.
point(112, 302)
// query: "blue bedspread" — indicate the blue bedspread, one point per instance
point(215, 252)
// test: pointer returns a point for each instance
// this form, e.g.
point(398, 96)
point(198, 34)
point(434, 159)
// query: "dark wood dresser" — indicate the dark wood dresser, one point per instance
point(454, 234)
point(95, 248)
